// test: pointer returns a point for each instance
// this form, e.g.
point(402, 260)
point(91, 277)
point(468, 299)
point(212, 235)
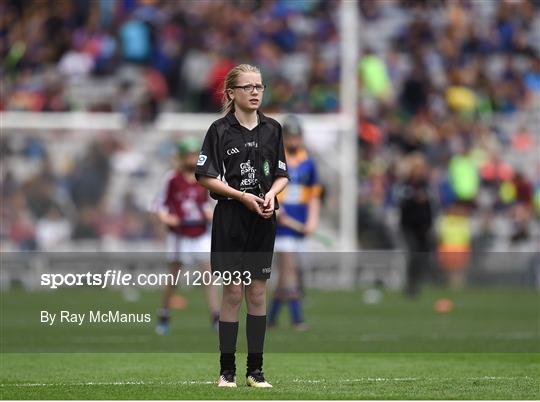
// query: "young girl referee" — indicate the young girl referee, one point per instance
point(242, 163)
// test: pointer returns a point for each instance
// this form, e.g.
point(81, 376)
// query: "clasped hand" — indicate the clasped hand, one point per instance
point(263, 207)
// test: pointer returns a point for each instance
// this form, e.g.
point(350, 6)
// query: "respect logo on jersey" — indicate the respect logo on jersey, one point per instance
point(282, 165)
point(249, 174)
point(202, 160)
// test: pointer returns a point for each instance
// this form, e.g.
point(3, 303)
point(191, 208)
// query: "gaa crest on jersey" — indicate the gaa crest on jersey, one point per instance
point(266, 168)
point(202, 160)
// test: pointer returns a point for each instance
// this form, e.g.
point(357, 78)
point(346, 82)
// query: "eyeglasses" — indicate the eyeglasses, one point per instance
point(249, 88)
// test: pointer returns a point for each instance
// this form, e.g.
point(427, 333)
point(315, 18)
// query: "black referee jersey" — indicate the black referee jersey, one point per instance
point(247, 160)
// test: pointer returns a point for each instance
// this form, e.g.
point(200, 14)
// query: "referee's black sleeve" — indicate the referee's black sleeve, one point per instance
point(209, 162)
point(280, 167)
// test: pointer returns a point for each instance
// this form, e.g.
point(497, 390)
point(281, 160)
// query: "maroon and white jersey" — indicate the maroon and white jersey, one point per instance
point(187, 200)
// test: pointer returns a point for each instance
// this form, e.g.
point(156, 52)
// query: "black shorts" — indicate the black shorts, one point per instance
point(242, 240)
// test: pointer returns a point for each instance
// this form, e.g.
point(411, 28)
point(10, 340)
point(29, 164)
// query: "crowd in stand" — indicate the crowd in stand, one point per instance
point(459, 89)
point(53, 206)
point(182, 48)
point(431, 89)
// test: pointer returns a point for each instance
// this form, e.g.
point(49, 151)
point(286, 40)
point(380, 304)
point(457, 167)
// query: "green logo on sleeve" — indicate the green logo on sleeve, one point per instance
point(266, 168)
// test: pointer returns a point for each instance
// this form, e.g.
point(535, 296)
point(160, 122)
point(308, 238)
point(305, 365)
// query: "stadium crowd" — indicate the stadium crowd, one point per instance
point(183, 49)
point(433, 92)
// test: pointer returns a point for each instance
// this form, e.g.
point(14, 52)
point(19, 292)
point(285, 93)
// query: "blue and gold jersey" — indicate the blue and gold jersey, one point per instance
point(302, 187)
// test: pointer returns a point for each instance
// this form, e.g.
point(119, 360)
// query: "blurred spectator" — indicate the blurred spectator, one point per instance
point(125, 101)
point(463, 175)
point(496, 170)
point(87, 224)
point(40, 190)
point(134, 222)
point(416, 221)
point(522, 210)
point(523, 140)
point(455, 241)
point(537, 199)
point(52, 230)
point(531, 78)
point(135, 40)
point(76, 65)
point(90, 177)
point(414, 95)
point(374, 75)
point(21, 224)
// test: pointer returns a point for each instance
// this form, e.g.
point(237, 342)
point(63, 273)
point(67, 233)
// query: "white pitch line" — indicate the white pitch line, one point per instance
point(90, 383)
point(296, 380)
point(380, 379)
point(376, 379)
point(306, 381)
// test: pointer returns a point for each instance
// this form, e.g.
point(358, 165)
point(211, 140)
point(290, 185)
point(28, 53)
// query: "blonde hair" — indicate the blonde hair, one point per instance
point(227, 104)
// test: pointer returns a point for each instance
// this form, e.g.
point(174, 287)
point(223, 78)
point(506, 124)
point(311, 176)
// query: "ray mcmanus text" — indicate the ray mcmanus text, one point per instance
point(93, 316)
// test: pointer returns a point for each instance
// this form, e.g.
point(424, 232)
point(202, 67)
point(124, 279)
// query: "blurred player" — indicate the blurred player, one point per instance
point(297, 218)
point(182, 205)
point(416, 222)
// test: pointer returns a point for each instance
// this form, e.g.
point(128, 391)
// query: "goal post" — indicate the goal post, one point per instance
point(349, 28)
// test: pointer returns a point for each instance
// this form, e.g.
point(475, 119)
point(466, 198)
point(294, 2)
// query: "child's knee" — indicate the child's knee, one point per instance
point(232, 295)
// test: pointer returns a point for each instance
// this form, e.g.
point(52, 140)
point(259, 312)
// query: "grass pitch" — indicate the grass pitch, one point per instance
point(294, 376)
point(488, 347)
